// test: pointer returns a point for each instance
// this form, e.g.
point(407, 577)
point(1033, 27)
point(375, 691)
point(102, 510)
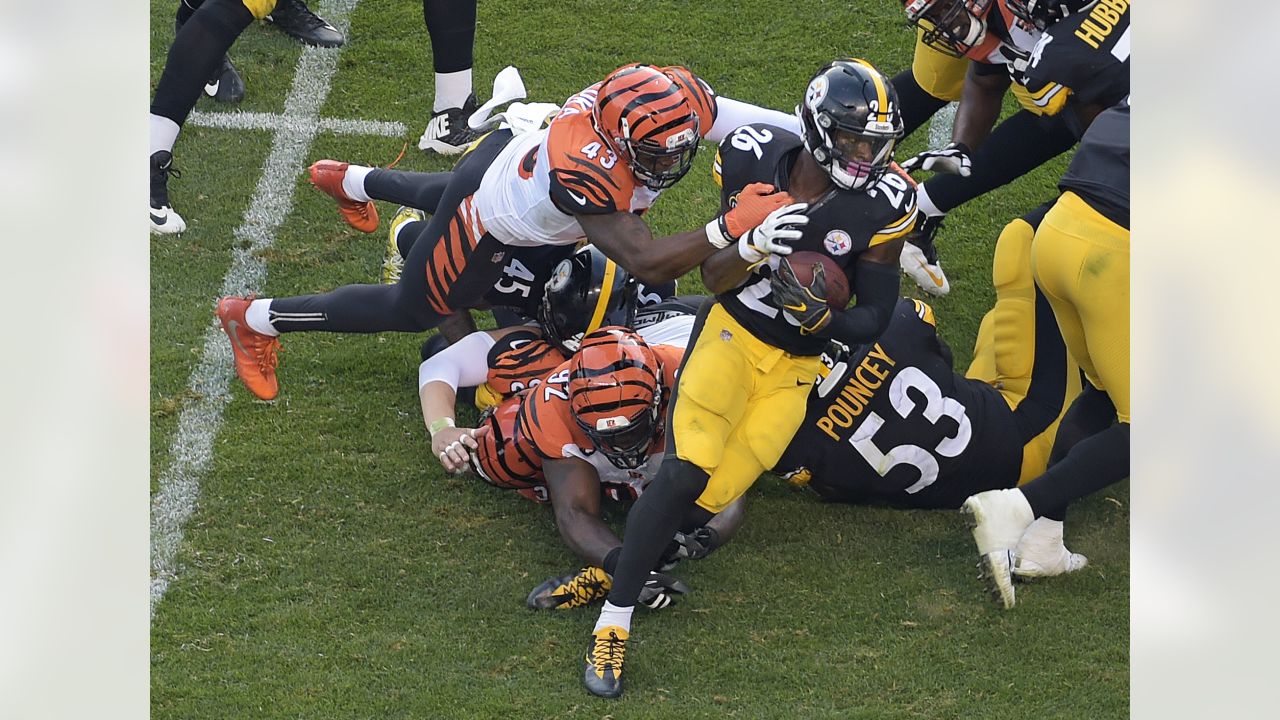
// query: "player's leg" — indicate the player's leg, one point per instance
point(197, 51)
point(452, 27)
point(933, 80)
point(225, 85)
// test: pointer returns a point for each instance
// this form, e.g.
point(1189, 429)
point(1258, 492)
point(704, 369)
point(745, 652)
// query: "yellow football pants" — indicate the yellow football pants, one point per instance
point(1004, 354)
point(1081, 263)
point(938, 73)
point(738, 403)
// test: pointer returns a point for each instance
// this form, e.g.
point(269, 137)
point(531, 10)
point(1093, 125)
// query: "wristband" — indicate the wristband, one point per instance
point(439, 424)
point(717, 234)
point(746, 251)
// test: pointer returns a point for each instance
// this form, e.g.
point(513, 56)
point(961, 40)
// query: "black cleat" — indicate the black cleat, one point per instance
point(448, 133)
point(164, 219)
point(602, 668)
point(226, 85)
point(297, 21)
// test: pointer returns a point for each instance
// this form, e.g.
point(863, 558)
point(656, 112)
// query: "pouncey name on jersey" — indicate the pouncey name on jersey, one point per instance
point(892, 422)
point(842, 224)
point(538, 425)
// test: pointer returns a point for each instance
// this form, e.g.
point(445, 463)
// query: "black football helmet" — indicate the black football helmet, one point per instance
point(586, 291)
point(1043, 13)
point(851, 121)
point(953, 27)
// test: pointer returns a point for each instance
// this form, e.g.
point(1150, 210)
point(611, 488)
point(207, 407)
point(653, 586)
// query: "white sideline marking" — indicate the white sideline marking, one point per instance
point(940, 126)
point(237, 120)
point(200, 419)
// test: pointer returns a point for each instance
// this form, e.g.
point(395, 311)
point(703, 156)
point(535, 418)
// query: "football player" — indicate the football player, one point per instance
point(755, 353)
point(891, 422)
point(601, 162)
point(1060, 74)
point(1080, 259)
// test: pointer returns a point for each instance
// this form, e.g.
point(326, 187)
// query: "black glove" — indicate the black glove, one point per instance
point(806, 305)
point(660, 591)
point(692, 546)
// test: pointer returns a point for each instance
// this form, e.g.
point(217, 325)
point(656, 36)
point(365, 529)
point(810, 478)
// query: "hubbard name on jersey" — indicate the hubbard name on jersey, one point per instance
point(1087, 54)
point(892, 422)
point(841, 225)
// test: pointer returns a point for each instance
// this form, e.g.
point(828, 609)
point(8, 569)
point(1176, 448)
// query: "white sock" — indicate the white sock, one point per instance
point(611, 614)
point(452, 89)
point(353, 182)
point(926, 205)
point(259, 317)
point(164, 133)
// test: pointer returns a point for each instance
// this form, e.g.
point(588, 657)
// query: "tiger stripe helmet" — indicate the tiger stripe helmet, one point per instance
point(698, 93)
point(644, 116)
point(615, 394)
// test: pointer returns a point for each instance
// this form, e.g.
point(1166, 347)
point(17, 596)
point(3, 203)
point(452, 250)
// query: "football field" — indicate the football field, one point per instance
point(311, 559)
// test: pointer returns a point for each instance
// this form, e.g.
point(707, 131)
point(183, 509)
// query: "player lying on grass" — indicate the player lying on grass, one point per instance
point(603, 160)
point(755, 354)
point(1064, 60)
point(892, 423)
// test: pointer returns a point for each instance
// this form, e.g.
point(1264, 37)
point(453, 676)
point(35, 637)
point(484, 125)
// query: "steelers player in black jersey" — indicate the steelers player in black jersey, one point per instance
point(756, 348)
point(891, 422)
point(1064, 61)
point(1080, 260)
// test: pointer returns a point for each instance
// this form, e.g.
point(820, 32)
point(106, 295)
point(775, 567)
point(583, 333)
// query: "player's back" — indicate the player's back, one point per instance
point(894, 423)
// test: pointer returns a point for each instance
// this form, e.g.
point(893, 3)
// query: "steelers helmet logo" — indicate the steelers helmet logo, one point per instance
point(816, 93)
point(560, 276)
point(838, 242)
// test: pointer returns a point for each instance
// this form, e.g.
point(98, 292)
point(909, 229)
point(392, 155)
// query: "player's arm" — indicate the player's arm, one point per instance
point(574, 487)
point(732, 114)
point(876, 278)
point(462, 364)
point(628, 241)
point(980, 103)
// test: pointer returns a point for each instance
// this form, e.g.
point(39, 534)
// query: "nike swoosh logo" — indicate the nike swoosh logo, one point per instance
point(211, 89)
point(936, 280)
point(159, 219)
point(577, 198)
point(233, 329)
point(797, 308)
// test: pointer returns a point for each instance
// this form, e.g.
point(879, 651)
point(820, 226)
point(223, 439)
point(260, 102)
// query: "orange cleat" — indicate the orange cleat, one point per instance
point(254, 352)
point(327, 176)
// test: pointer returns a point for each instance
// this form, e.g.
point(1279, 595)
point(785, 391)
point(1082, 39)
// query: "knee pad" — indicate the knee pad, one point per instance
point(1012, 323)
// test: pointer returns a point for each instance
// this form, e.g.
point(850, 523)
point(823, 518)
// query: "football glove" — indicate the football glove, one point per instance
point(753, 204)
point(660, 591)
point(952, 159)
point(770, 236)
point(691, 546)
point(806, 305)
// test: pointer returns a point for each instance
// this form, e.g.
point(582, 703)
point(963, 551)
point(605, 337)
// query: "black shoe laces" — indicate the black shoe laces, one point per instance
point(585, 587)
point(608, 651)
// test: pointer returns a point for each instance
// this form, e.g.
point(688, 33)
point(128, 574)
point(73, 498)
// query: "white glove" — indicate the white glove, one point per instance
point(952, 159)
point(770, 237)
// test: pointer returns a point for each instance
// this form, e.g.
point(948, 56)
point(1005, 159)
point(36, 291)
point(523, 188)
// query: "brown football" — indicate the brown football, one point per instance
point(803, 262)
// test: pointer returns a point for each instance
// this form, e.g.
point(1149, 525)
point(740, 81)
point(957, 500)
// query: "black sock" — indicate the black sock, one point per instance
point(917, 105)
point(652, 522)
point(1017, 146)
point(196, 51)
point(452, 27)
point(403, 187)
point(1094, 463)
point(186, 8)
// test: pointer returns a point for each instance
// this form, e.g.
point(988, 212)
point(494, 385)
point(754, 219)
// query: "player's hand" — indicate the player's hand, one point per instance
point(453, 447)
point(806, 304)
point(694, 545)
point(771, 236)
point(952, 159)
point(753, 205)
point(660, 591)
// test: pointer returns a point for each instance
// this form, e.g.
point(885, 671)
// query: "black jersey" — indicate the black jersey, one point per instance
point(842, 224)
point(1087, 53)
point(525, 275)
point(1099, 172)
point(893, 423)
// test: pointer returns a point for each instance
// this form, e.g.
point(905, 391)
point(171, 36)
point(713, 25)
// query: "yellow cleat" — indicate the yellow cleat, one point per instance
point(602, 669)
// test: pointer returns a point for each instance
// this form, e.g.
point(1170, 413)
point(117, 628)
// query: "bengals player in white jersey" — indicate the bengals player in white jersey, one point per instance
point(603, 160)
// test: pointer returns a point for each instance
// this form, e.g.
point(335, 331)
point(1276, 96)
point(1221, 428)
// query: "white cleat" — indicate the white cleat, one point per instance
point(998, 519)
point(166, 221)
point(929, 276)
point(1041, 552)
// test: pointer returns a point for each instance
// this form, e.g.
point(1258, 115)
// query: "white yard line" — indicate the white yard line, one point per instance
point(237, 120)
point(200, 418)
point(940, 127)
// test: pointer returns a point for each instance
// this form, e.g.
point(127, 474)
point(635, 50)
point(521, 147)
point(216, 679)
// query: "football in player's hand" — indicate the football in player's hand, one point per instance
point(802, 264)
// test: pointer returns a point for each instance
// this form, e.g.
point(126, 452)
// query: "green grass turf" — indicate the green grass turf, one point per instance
point(331, 570)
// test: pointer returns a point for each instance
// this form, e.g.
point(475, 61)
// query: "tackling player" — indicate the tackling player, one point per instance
point(603, 161)
point(742, 389)
point(891, 422)
point(1064, 61)
point(1080, 258)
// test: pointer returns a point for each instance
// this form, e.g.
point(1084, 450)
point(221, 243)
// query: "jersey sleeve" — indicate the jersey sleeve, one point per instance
point(898, 212)
point(521, 360)
point(585, 177)
point(547, 423)
point(503, 457)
